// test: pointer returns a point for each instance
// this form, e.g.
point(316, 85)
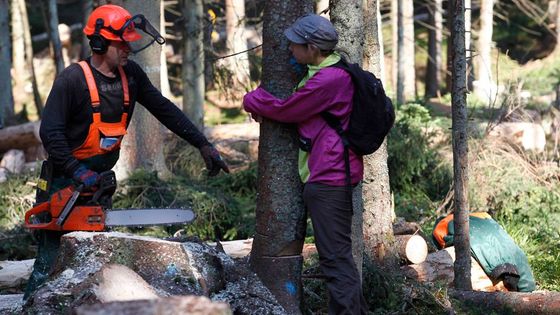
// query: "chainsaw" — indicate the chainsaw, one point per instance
point(62, 212)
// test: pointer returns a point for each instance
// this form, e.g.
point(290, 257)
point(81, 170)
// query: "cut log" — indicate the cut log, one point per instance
point(20, 137)
point(172, 305)
point(13, 274)
point(438, 267)
point(411, 248)
point(401, 227)
point(510, 302)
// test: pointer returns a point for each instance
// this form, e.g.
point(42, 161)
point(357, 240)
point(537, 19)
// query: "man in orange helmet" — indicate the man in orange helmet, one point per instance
point(90, 107)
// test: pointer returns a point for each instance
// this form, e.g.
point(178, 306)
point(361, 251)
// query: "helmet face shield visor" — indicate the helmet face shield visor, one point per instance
point(138, 42)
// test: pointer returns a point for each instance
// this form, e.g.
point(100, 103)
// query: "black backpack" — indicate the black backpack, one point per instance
point(373, 114)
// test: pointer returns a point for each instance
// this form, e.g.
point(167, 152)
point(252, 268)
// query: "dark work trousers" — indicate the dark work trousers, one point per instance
point(330, 209)
point(48, 244)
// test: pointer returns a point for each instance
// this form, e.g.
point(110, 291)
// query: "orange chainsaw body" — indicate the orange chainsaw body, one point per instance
point(80, 218)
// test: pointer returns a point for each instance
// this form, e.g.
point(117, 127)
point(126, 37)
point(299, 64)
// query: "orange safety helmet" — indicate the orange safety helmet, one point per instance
point(108, 21)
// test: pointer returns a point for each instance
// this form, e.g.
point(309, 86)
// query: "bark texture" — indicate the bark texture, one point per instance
point(405, 76)
point(280, 215)
point(347, 18)
point(483, 61)
point(52, 14)
point(435, 37)
point(193, 61)
point(142, 147)
point(29, 56)
point(378, 211)
point(460, 149)
point(541, 303)
point(236, 42)
point(6, 99)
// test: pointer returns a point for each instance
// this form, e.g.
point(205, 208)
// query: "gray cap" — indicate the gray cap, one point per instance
point(313, 29)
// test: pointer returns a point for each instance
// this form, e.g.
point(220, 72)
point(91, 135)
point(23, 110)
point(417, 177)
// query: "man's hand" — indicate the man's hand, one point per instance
point(213, 160)
point(86, 177)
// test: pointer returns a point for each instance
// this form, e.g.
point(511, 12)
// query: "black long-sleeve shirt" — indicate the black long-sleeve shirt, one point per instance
point(68, 111)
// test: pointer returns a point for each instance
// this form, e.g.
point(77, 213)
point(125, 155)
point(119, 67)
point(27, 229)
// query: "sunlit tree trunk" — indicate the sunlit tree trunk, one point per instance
point(483, 61)
point(56, 45)
point(142, 147)
point(193, 61)
point(377, 212)
point(19, 66)
point(165, 88)
point(462, 267)
point(280, 216)
point(236, 42)
point(29, 57)
point(6, 100)
point(435, 37)
point(347, 18)
point(405, 73)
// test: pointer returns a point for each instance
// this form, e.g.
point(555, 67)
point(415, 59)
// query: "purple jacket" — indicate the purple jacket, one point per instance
point(331, 90)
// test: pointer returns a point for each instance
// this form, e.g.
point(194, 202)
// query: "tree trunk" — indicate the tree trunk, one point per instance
point(483, 61)
point(52, 23)
point(468, 43)
point(347, 18)
point(20, 72)
point(433, 71)
point(87, 6)
point(142, 147)
point(403, 29)
point(193, 62)
point(6, 99)
point(165, 87)
point(541, 303)
point(29, 57)
point(236, 42)
point(378, 211)
point(280, 214)
point(460, 148)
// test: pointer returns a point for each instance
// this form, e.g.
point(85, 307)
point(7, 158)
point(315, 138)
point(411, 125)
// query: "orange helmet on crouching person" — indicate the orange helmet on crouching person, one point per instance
point(114, 23)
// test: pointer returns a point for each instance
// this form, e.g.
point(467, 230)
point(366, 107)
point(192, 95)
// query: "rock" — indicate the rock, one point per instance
point(114, 267)
point(11, 303)
point(14, 274)
point(529, 136)
point(13, 161)
point(193, 305)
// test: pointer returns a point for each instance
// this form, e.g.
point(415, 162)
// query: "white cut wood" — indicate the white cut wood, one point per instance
point(412, 248)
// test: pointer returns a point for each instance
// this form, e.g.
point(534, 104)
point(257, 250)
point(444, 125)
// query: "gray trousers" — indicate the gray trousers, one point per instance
point(330, 209)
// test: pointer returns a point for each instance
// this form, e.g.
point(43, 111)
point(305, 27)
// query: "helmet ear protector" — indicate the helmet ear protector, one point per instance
point(98, 43)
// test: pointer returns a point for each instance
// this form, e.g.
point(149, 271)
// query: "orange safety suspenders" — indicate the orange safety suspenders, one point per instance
point(102, 137)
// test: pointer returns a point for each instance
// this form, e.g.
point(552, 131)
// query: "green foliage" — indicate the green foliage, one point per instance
point(418, 174)
point(542, 79)
point(16, 197)
point(220, 214)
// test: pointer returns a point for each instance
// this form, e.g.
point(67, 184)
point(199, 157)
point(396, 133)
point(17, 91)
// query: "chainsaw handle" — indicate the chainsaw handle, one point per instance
point(40, 208)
